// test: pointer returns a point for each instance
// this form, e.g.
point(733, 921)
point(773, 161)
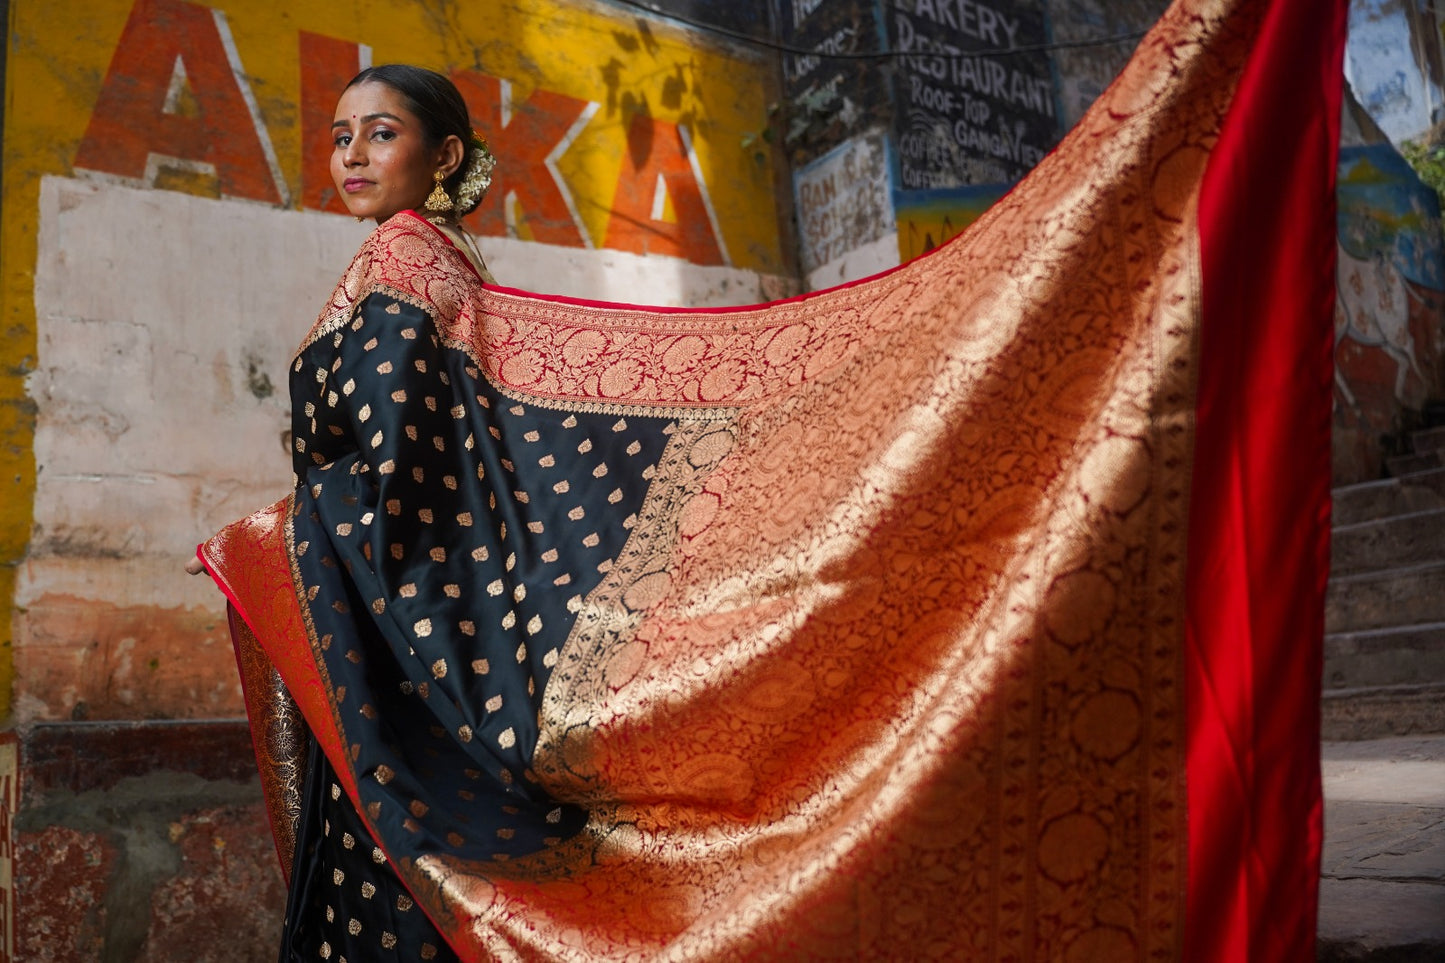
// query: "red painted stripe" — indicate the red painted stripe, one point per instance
point(1259, 523)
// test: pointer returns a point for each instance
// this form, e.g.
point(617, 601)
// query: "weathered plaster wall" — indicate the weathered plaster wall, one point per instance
point(1390, 309)
point(170, 229)
point(1390, 301)
point(168, 232)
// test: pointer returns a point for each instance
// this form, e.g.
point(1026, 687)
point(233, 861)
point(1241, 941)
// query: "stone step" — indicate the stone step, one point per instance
point(1382, 866)
point(1378, 712)
point(1408, 655)
point(1391, 496)
point(1387, 598)
point(1428, 439)
point(1400, 465)
point(1388, 542)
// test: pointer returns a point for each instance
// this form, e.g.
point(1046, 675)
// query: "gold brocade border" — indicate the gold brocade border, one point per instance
point(602, 354)
point(252, 562)
point(600, 648)
point(717, 415)
point(627, 846)
point(279, 735)
point(460, 891)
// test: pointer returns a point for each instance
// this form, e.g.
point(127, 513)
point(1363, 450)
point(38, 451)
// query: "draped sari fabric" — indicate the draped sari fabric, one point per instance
point(1259, 525)
point(971, 611)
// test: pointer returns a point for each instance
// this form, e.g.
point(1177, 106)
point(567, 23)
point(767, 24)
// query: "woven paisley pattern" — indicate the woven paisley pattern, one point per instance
point(848, 627)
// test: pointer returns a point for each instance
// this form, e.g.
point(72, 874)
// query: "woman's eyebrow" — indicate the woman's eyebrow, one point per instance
point(368, 119)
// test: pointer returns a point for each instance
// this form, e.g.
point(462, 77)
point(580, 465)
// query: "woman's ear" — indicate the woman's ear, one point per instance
point(451, 155)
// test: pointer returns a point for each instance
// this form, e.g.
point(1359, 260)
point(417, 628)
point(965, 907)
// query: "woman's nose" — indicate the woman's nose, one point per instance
point(354, 154)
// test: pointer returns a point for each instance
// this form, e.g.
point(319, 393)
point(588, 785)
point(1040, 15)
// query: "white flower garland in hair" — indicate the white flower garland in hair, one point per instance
point(480, 164)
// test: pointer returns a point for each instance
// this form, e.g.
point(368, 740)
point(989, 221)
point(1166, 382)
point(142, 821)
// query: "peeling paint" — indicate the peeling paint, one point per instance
point(169, 233)
point(140, 400)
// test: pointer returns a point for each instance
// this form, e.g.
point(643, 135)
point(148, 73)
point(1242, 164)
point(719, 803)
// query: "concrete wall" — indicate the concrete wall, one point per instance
point(169, 231)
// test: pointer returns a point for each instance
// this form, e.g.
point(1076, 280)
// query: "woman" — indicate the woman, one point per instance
point(403, 142)
point(405, 156)
point(848, 627)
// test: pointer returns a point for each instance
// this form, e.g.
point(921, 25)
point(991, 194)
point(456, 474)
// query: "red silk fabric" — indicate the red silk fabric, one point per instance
point(1259, 520)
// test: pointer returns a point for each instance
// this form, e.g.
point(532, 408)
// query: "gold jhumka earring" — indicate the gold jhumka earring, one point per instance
point(439, 202)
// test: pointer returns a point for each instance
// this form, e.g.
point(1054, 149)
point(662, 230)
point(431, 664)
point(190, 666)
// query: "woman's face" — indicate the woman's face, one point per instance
point(381, 162)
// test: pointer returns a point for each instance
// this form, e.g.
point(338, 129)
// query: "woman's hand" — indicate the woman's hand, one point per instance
point(195, 566)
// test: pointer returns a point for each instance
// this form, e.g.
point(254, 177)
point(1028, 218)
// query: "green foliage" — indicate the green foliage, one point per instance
point(1428, 160)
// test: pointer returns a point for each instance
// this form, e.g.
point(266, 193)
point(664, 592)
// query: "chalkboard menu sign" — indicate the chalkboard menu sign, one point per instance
point(830, 99)
point(967, 111)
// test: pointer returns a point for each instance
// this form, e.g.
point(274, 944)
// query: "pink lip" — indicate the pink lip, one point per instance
point(353, 184)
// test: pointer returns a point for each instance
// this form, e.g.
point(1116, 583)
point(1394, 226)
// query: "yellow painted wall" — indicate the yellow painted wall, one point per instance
point(644, 122)
point(590, 53)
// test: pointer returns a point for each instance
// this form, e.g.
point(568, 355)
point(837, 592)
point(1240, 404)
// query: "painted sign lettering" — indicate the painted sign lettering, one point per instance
point(968, 113)
point(177, 110)
point(176, 98)
point(843, 200)
point(838, 97)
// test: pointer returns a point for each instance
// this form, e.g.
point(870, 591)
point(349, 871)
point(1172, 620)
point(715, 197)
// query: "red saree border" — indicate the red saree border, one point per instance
point(255, 549)
point(683, 309)
point(1259, 523)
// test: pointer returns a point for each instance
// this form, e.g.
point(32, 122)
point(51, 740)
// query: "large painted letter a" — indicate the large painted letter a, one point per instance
point(175, 92)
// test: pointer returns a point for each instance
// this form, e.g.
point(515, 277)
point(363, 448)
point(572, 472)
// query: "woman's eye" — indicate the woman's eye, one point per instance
point(342, 140)
point(382, 134)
